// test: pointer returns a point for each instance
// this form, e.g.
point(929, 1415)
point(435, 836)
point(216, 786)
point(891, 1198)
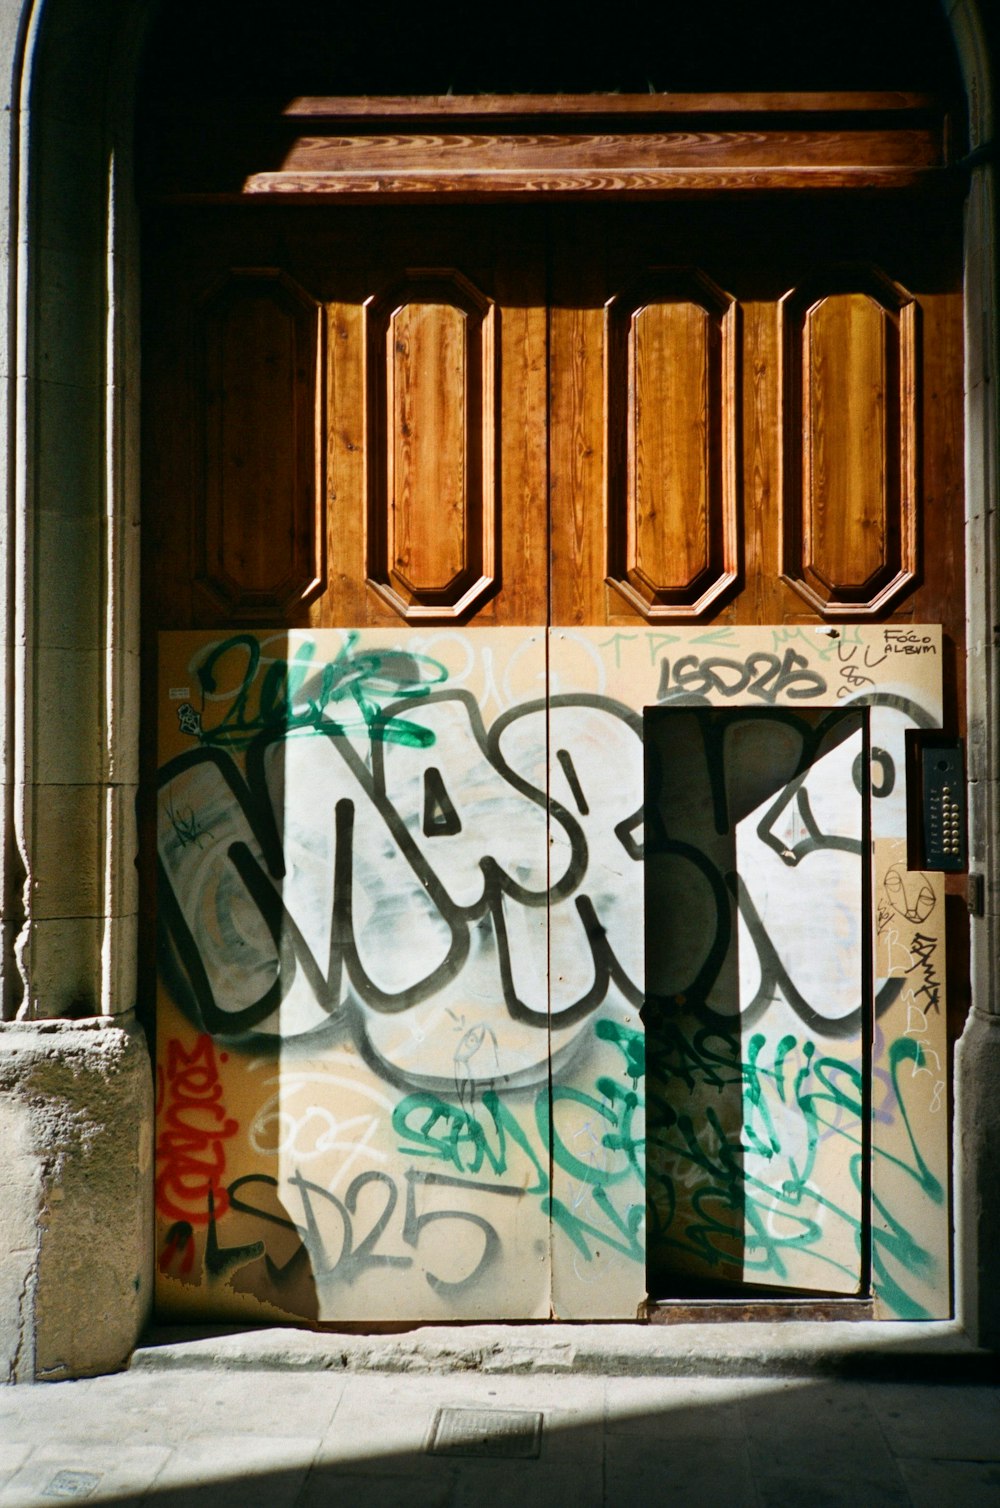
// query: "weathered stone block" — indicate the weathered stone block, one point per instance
point(76, 1124)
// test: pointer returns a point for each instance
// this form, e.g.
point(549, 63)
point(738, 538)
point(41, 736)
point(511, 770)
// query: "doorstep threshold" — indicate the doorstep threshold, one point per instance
point(786, 1347)
point(718, 1310)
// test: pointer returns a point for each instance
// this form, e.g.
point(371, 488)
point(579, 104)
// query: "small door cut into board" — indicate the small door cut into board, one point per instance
point(758, 1012)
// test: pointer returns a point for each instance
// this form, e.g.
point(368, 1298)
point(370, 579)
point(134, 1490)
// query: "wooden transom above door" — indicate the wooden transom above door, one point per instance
point(576, 414)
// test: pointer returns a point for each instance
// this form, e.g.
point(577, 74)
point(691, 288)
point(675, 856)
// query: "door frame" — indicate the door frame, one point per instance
point(71, 549)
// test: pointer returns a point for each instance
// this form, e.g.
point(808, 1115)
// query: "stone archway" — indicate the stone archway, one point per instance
point(75, 1274)
point(77, 1077)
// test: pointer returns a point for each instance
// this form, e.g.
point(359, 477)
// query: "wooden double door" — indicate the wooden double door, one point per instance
point(708, 436)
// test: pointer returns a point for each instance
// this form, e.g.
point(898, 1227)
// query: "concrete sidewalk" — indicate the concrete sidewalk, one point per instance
point(441, 1420)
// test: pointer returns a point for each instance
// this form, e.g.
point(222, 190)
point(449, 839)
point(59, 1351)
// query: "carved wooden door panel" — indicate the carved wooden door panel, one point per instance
point(755, 414)
point(755, 440)
point(313, 369)
point(444, 500)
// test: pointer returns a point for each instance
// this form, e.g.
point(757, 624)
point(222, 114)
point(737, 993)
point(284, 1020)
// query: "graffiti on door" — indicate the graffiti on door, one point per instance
point(402, 1072)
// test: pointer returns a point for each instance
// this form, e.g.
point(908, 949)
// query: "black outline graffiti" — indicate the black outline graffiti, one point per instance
point(183, 970)
point(261, 873)
point(724, 886)
point(441, 820)
point(573, 780)
point(690, 676)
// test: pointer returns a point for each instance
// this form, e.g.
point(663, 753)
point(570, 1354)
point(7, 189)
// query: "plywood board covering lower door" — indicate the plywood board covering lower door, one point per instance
point(402, 1072)
point(353, 1033)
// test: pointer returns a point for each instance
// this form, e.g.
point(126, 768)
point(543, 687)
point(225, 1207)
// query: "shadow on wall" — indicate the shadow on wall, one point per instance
point(756, 997)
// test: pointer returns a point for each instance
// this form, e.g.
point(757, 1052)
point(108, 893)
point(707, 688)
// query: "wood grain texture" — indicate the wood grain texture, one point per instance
point(670, 427)
point(502, 146)
point(847, 439)
point(851, 446)
point(622, 182)
point(447, 153)
point(259, 525)
point(671, 445)
point(431, 447)
point(573, 106)
point(428, 414)
point(940, 593)
point(345, 449)
point(521, 292)
point(368, 257)
point(763, 598)
point(577, 427)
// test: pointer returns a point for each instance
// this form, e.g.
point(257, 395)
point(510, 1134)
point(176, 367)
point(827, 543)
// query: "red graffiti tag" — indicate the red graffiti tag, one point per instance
point(194, 1128)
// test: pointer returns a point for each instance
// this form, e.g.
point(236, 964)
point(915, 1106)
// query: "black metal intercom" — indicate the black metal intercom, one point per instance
point(938, 836)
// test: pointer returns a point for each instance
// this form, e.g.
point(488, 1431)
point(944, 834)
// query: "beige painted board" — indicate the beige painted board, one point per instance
point(353, 1068)
point(910, 1099)
point(353, 1047)
point(894, 671)
point(598, 1170)
point(594, 775)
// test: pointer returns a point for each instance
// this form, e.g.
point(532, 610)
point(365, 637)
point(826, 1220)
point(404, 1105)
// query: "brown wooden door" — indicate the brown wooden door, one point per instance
point(756, 415)
point(752, 415)
point(647, 420)
point(756, 420)
point(313, 366)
